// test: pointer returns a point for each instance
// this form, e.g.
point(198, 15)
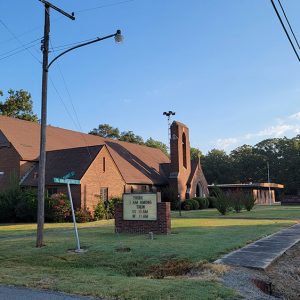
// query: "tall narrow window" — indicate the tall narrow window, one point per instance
point(104, 194)
point(103, 164)
point(184, 150)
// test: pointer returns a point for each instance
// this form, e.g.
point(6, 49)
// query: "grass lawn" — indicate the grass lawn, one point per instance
point(103, 272)
point(258, 212)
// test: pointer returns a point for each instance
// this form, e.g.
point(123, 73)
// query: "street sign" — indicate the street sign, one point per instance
point(69, 175)
point(66, 181)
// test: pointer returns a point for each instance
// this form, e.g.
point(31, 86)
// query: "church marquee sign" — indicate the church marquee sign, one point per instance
point(140, 207)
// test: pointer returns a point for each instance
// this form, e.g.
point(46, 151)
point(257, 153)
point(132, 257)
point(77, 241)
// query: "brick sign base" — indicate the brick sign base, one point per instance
point(161, 226)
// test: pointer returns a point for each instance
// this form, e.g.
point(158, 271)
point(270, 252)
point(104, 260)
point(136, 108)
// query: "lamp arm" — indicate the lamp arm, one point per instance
point(79, 46)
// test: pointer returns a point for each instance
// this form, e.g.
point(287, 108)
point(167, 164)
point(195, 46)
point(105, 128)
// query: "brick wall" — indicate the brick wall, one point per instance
point(161, 226)
point(95, 178)
point(10, 165)
point(177, 167)
point(199, 179)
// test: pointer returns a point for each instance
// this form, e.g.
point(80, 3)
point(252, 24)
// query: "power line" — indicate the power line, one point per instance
point(66, 46)
point(19, 49)
point(102, 6)
point(17, 52)
point(289, 23)
point(285, 30)
point(78, 125)
point(19, 41)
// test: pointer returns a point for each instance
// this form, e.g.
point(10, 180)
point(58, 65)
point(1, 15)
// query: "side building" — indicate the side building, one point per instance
point(106, 168)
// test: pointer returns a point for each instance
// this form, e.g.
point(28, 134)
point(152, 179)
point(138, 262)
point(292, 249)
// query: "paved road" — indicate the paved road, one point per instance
point(262, 253)
point(16, 293)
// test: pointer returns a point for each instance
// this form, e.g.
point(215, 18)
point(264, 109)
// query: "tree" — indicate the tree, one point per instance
point(195, 153)
point(18, 104)
point(129, 136)
point(157, 144)
point(217, 167)
point(106, 131)
point(248, 165)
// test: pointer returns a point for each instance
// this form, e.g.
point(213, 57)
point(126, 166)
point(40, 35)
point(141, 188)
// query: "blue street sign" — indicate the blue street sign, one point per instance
point(66, 181)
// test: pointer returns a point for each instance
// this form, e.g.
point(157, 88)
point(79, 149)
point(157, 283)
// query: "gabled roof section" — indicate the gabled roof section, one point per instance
point(61, 162)
point(136, 163)
point(195, 165)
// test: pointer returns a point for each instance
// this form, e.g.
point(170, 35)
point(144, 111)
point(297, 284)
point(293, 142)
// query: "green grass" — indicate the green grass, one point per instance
point(259, 212)
point(103, 272)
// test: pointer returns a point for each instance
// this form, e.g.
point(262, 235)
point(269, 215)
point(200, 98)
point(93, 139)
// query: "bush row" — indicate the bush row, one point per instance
point(233, 201)
point(198, 203)
point(18, 205)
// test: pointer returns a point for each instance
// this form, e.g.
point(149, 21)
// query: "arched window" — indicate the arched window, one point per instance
point(184, 150)
point(199, 192)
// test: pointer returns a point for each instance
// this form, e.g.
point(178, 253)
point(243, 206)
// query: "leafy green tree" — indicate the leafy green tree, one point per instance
point(18, 104)
point(248, 165)
point(217, 167)
point(195, 153)
point(129, 136)
point(106, 131)
point(157, 144)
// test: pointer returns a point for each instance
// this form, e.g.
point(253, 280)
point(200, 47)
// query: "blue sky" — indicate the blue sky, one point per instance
point(224, 67)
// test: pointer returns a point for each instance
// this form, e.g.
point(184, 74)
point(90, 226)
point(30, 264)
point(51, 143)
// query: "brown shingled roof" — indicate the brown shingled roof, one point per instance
point(61, 162)
point(136, 163)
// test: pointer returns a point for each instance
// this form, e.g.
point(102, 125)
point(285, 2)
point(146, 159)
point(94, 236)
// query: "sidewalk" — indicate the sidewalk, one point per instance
point(262, 253)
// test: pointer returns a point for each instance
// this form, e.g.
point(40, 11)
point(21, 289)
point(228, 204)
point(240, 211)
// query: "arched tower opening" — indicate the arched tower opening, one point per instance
point(184, 160)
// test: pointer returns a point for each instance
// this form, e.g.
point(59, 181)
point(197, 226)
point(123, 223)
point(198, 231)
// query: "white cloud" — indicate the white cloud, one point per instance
point(275, 131)
point(284, 126)
point(226, 143)
point(295, 116)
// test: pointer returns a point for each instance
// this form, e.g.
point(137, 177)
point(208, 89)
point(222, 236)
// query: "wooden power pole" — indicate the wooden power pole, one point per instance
point(42, 158)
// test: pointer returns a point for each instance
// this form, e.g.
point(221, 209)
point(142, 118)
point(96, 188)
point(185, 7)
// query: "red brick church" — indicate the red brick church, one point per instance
point(105, 167)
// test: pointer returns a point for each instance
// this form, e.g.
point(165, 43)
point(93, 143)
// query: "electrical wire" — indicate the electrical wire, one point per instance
point(19, 41)
point(285, 30)
point(66, 46)
point(78, 125)
point(102, 6)
point(287, 20)
point(17, 52)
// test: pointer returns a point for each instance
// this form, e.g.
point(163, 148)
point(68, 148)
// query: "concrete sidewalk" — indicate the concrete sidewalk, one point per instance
point(17, 293)
point(262, 253)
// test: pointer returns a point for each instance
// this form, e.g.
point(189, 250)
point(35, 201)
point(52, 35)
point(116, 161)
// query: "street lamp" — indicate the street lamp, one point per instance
point(169, 114)
point(42, 159)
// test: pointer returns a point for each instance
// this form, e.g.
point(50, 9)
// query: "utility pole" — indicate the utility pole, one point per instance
point(270, 198)
point(42, 158)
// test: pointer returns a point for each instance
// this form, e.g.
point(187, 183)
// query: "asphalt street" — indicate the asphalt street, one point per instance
point(16, 293)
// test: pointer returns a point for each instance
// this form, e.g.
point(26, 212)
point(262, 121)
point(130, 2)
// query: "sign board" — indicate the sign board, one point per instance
point(140, 207)
point(69, 175)
point(66, 181)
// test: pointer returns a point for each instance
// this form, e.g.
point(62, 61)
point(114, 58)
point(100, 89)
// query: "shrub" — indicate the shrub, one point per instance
point(107, 211)
point(223, 202)
point(170, 195)
point(83, 215)
point(195, 203)
point(211, 201)
point(190, 204)
point(100, 211)
point(8, 202)
point(58, 208)
point(203, 202)
point(237, 201)
point(249, 201)
point(111, 206)
point(26, 208)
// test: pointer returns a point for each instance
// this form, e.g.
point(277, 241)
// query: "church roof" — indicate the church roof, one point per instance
point(137, 163)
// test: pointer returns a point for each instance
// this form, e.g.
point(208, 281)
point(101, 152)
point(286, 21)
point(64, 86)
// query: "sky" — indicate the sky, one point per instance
point(225, 67)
